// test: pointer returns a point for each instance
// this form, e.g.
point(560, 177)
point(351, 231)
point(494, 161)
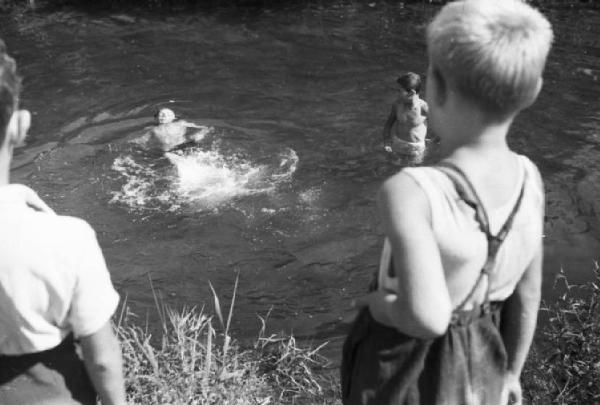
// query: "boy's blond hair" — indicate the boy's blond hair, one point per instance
point(491, 51)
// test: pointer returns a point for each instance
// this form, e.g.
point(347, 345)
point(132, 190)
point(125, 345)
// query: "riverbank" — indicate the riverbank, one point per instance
point(195, 360)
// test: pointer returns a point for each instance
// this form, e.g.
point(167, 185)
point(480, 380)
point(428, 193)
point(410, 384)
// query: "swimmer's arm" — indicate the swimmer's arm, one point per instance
point(144, 138)
point(190, 125)
point(387, 128)
point(196, 136)
point(422, 307)
point(519, 315)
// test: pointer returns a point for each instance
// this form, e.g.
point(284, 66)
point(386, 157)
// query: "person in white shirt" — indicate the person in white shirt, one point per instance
point(55, 289)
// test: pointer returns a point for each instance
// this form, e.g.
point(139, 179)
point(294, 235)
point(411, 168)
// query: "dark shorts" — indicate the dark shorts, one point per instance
point(465, 366)
point(55, 376)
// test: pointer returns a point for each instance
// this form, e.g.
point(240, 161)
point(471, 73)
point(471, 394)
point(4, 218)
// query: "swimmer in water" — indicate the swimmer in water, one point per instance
point(171, 132)
point(407, 120)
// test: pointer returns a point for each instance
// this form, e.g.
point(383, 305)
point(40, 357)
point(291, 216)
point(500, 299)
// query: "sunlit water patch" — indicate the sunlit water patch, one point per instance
point(195, 177)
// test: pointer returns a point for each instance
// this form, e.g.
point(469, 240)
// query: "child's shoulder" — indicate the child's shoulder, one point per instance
point(403, 204)
point(403, 189)
point(533, 174)
point(58, 230)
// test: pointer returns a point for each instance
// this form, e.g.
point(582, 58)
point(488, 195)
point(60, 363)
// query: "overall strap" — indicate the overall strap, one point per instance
point(467, 193)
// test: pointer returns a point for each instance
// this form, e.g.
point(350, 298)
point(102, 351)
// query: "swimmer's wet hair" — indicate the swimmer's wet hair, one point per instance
point(491, 51)
point(158, 110)
point(410, 81)
point(10, 87)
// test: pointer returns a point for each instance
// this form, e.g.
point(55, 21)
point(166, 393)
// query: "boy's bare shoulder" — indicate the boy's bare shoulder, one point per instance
point(401, 191)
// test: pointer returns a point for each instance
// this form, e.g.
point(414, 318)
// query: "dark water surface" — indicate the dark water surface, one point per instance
point(282, 189)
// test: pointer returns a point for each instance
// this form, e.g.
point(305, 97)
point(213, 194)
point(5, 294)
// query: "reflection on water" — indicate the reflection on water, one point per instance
point(282, 190)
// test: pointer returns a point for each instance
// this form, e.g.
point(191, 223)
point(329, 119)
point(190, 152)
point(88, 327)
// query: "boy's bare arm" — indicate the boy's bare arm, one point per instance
point(103, 361)
point(422, 307)
point(519, 316)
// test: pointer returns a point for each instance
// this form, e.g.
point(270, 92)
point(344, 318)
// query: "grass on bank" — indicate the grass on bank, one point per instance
point(564, 364)
point(195, 361)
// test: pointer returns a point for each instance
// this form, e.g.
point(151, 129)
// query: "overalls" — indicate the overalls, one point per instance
point(465, 366)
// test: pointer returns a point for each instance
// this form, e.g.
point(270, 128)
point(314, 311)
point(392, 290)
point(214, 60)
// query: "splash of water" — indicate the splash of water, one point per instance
point(204, 179)
point(138, 190)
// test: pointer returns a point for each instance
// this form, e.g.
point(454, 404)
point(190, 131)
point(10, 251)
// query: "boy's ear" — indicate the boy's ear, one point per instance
point(540, 83)
point(538, 87)
point(18, 127)
point(534, 95)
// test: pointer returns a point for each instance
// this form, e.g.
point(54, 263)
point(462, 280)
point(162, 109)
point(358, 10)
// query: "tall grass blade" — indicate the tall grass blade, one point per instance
point(159, 307)
point(217, 305)
point(229, 316)
point(122, 313)
point(205, 377)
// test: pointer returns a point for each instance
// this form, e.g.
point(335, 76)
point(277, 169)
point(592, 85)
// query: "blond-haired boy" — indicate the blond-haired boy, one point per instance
point(465, 235)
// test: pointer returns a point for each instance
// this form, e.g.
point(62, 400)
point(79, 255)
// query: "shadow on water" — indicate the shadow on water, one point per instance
point(282, 188)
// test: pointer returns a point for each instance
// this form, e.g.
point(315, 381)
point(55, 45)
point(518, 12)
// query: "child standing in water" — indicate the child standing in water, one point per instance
point(407, 120)
point(54, 288)
point(170, 132)
point(454, 311)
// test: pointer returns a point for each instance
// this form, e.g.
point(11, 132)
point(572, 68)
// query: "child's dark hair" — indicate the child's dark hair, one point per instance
point(10, 86)
point(410, 81)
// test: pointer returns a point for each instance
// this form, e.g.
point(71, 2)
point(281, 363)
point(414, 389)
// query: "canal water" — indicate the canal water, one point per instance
point(280, 192)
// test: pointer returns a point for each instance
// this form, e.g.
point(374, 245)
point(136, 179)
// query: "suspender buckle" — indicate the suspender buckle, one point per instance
point(486, 308)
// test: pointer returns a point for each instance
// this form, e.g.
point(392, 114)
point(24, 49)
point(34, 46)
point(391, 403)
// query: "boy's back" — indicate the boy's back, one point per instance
point(45, 259)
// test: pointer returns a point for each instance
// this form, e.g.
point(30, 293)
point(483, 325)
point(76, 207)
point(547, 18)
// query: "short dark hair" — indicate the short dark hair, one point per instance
point(410, 81)
point(10, 86)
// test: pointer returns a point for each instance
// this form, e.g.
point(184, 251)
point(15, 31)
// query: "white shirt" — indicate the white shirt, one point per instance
point(53, 277)
point(463, 246)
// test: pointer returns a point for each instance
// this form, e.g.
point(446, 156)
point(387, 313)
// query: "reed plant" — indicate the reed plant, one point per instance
point(564, 364)
point(193, 359)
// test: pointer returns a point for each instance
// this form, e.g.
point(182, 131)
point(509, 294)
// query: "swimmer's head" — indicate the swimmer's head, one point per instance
point(165, 116)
